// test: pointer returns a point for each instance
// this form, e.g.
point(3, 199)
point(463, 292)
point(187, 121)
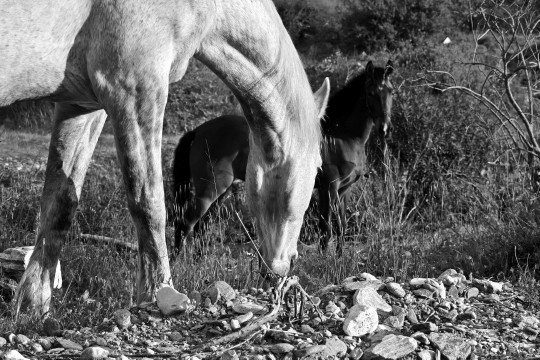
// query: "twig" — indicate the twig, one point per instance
point(253, 243)
point(108, 240)
point(256, 324)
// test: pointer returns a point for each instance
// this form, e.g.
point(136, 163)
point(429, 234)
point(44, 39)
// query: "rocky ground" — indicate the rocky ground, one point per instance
point(450, 317)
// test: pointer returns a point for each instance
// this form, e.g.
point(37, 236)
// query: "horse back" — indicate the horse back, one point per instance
point(223, 143)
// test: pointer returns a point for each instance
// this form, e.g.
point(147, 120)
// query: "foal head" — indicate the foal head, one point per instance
point(379, 92)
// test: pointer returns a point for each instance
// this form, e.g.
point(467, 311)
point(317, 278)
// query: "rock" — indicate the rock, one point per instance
point(22, 339)
point(467, 315)
point(3, 341)
point(426, 327)
point(453, 292)
point(51, 327)
point(36, 347)
point(367, 276)
point(450, 277)
point(68, 344)
point(170, 301)
point(487, 286)
point(423, 293)
point(229, 355)
point(101, 341)
point(244, 308)
point(426, 355)
point(309, 351)
point(235, 324)
point(122, 318)
point(447, 272)
point(94, 352)
point(373, 284)
point(244, 318)
point(175, 336)
point(45, 343)
point(369, 297)
point(521, 321)
point(356, 353)
point(195, 297)
point(395, 289)
point(451, 346)
point(411, 316)
point(281, 348)
point(393, 347)
point(220, 290)
point(420, 337)
point(395, 321)
point(490, 298)
point(471, 293)
point(13, 355)
point(361, 320)
point(417, 282)
point(448, 315)
point(332, 309)
point(306, 329)
point(334, 348)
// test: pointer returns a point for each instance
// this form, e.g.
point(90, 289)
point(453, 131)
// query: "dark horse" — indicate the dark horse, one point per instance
point(215, 154)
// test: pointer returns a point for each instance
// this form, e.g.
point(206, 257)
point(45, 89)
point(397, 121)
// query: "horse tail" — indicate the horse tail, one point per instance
point(182, 171)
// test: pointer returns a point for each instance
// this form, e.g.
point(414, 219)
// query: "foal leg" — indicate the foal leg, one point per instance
point(342, 224)
point(74, 136)
point(193, 214)
point(325, 216)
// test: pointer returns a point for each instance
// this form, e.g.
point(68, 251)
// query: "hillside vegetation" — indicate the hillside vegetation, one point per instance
point(453, 187)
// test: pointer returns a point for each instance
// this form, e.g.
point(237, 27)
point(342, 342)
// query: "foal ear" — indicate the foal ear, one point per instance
point(388, 69)
point(321, 97)
point(370, 69)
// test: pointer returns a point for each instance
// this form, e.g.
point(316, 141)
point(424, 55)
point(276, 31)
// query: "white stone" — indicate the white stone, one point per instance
point(244, 308)
point(170, 301)
point(361, 320)
point(368, 276)
point(13, 355)
point(94, 352)
point(369, 297)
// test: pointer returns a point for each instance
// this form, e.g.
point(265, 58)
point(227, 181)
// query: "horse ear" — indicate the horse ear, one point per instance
point(370, 69)
point(321, 97)
point(389, 68)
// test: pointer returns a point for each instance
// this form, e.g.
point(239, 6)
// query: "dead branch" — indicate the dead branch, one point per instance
point(110, 241)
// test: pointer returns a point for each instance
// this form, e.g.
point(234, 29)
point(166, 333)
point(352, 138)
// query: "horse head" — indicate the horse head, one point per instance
point(379, 94)
point(279, 208)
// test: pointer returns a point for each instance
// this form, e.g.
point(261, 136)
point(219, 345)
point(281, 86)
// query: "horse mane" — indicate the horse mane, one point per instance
point(301, 123)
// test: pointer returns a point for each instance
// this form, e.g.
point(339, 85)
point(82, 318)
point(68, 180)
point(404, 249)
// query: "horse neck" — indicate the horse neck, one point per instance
point(250, 50)
point(347, 114)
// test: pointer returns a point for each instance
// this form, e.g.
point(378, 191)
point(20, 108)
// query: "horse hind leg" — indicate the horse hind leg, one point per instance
point(74, 136)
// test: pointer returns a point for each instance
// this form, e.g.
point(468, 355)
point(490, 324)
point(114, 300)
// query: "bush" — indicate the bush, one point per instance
point(386, 24)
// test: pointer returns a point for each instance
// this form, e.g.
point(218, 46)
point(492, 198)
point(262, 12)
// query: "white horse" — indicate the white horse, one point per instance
point(115, 58)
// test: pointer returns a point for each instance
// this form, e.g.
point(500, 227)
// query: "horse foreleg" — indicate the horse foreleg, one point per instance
point(342, 225)
point(74, 136)
point(136, 113)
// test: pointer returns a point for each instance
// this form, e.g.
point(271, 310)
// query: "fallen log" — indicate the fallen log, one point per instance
point(13, 263)
point(122, 245)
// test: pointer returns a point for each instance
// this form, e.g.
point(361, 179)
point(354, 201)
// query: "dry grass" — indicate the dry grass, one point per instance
point(381, 239)
point(484, 224)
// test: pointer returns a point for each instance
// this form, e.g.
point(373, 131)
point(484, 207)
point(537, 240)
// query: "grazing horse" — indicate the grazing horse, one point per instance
point(210, 157)
point(115, 59)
